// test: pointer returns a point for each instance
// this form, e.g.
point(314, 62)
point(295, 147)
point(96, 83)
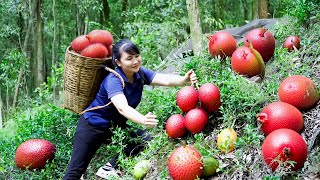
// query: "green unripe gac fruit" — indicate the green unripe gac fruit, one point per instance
point(140, 169)
point(210, 165)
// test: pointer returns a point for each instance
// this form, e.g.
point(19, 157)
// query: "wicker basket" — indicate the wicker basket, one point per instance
point(82, 79)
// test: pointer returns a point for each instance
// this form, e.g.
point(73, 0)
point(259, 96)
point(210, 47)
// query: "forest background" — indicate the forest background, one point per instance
point(36, 33)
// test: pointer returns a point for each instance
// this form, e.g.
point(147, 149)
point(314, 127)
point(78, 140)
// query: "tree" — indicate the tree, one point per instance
point(195, 28)
point(263, 9)
point(40, 57)
point(24, 46)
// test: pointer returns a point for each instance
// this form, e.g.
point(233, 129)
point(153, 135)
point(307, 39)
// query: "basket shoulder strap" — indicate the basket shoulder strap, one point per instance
point(99, 107)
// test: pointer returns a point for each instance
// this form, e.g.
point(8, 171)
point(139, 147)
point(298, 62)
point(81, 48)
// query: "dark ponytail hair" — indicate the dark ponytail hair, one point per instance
point(123, 45)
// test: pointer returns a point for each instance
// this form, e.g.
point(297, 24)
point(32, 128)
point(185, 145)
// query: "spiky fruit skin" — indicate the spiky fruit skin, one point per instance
point(109, 50)
point(279, 115)
point(210, 165)
point(34, 154)
point(226, 140)
point(222, 44)
point(263, 41)
point(196, 120)
point(187, 98)
point(185, 163)
point(100, 36)
point(79, 43)
point(140, 170)
point(175, 126)
point(245, 62)
point(290, 42)
point(209, 97)
point(96, 50)
point(298, 91)
point(284, 144)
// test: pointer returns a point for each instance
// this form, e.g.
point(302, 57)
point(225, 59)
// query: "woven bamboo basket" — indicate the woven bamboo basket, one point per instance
point(82, 79)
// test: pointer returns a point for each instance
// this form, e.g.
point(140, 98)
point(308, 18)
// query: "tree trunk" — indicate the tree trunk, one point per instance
point(123, 10)
point(106, 11)
point(195, 28)
point(40, 58)
point(53, 61)
point(263, 9)
point(24, 51)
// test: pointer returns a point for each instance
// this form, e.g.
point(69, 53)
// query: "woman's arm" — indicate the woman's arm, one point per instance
point(121, 103)
point(174, 80)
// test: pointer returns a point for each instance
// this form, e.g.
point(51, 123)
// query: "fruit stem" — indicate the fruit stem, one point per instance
point(262, 117)
point(286, 152)
point(264, 30)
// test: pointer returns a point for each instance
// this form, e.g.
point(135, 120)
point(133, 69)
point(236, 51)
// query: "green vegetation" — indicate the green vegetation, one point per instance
point(40, 115)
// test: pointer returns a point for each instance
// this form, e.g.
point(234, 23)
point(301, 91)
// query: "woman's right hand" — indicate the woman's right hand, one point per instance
point(150, 120)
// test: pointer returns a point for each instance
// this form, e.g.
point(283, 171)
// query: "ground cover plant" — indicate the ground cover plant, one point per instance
point(241, 100)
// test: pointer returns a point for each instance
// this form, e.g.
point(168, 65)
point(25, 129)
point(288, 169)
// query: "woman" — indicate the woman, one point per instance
point(94, 126)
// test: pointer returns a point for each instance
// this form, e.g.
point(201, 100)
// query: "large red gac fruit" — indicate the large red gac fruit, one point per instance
point(209, 97)
point(187, 98)
point(279, 115)
point(245, 62)
point(96, 50)
point(222, 44)
point(291, 42)
point(100, 36)
point(298, 91)
point(196, 120)
point(283, 145)
point(185, 163)
point(263, 41)
point(175, 126)
point(79, 43)
point(34, 154)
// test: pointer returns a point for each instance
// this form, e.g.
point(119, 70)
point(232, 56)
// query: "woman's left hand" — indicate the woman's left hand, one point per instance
point(191, 76)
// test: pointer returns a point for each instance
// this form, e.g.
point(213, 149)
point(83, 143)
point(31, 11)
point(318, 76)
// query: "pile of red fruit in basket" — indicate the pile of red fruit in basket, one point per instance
point(96, 44)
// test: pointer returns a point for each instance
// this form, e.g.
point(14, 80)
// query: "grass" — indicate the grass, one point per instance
point(241, 101)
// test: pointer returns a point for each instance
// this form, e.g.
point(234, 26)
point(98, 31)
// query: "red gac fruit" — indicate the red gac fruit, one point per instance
point(283, 145)
point(196, 120)
point(79, 43)
point(247, 62)
point(263, 41)
point(187, 98)
point(222, 44)
point(279, 115)
point(101, 36)
point(34, 154)
point(185, 163)
point(209, 97)
point(175, 126)
point(109, 50)
point(96, 50)
point(298, 91)
point(291, 42)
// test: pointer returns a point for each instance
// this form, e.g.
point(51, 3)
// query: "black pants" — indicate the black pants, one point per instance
point(87, 140)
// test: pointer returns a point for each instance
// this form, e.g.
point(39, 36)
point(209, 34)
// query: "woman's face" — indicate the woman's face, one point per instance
point(129, 63)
